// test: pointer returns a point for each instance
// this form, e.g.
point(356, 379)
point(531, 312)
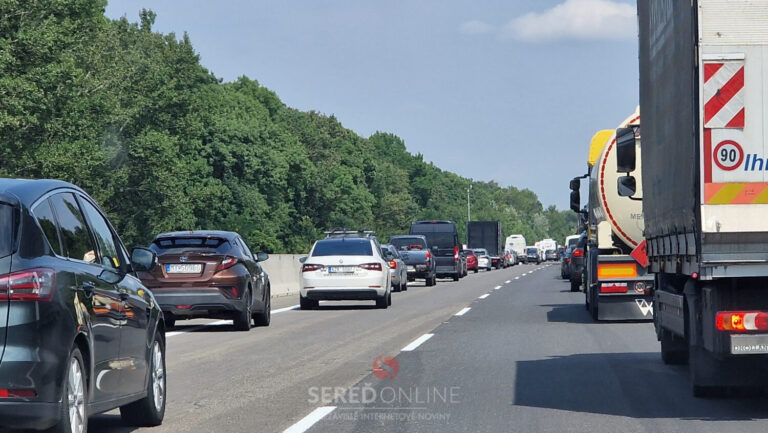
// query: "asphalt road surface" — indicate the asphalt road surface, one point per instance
point(501, 351)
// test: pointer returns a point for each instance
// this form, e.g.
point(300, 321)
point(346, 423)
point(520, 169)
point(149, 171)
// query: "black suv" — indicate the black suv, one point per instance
point(444, 243)
point(79, 333)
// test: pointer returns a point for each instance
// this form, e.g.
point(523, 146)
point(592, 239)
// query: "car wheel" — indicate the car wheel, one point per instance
point(405, 286)
point(73, 418)
point(396, 288)
point(382, 302)
point(150, 410)
point(242, 320)
point(456, 277)
point(476, 270)
point(389, 299)
point(307, 304)
point(263, 318)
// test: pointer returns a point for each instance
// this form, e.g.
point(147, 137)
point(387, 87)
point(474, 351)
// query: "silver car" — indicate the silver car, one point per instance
point(397, 269)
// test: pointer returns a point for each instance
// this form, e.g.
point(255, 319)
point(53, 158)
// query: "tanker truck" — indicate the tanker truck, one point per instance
point(705, 185)
point(616, 283)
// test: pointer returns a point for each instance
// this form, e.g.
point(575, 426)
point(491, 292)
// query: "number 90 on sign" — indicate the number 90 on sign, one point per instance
point(728, 155)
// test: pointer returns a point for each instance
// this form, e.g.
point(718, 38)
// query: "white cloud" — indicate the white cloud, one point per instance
point(475, 27)
point(575, 19)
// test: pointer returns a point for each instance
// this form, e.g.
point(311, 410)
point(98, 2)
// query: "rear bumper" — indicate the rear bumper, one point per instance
point(345, 294)
point(199, 303)
point(418, 271)
point(28, 415)
point(624, 307)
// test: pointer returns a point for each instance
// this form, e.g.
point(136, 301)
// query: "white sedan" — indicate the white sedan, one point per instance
point(345, 268)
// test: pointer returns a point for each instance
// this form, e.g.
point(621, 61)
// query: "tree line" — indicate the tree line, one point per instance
point(131, 115)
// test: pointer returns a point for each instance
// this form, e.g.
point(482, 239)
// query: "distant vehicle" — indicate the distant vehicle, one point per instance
point(571, 240)
point(73, 313)
point(547, 245)
point(510, 258)
point(397, 271)
point(418, 258)
point(471, 261)
point(209, 274)
point(346, 265)
point(577, 262)
point(565, 262)
point(551, 255)
point(483, 259)
point(444, 243)
point(487, 235)
point(516, 243)
point(532, 255)
point(463, 260)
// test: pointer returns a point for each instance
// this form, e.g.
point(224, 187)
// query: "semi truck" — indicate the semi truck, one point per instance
point(704, 185)
point(487, 234)
point(616, 283)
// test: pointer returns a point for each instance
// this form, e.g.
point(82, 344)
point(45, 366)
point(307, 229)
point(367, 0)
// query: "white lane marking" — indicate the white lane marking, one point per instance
point(497, 288)
point(484, 296)
point(462, 312)
point(507, 282)
point(224, 322)
point(517, 278)
point(310, 420)
point(416, 343)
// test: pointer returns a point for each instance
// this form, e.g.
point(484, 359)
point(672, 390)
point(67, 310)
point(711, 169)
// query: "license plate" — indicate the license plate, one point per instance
point(341, 269)
point(749, 344)
point(184, 268)
point(411, 268)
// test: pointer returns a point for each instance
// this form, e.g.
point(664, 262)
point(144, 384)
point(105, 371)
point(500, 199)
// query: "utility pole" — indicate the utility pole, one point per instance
point(469, 215)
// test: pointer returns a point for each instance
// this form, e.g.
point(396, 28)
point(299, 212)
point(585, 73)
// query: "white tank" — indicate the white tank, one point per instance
point(623, 215)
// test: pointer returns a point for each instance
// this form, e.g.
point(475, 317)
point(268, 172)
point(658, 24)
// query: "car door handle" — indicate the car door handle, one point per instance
point(87, 288)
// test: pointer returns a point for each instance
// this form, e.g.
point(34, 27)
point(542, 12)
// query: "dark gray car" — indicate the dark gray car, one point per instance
point(444, 243)
point(418, 258)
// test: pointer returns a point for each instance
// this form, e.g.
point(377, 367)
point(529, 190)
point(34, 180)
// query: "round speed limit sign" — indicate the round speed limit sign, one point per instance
point(728, 155)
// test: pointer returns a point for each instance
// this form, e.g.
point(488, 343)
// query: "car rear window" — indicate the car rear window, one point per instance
point(343, 247)
point(7, 229)
point(441, 239)
point(186, 244)
point(532, 251)
point(408, 244)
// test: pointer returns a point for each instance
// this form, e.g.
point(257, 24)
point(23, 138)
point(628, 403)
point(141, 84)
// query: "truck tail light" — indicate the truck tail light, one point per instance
point(226, 263)
point(578, 252)
point(616, 270)
point(309, 267)
point(741, 321)
point(393, 264)
point(29, 285)
point(371, 266)
point(613, 287)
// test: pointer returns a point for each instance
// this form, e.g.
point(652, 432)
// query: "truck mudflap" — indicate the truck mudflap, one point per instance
point(624, 307)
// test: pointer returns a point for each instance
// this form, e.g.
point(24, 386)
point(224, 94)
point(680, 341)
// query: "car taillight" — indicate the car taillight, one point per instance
point(428, 256)
point(226, 263)
point(456, 253)
point(18, 393)
point(371, 266)
point(741, 321)
point(29, 285)
point(613, 288)
point(567, 260)
point(309, 267)
point(393, 264)
point(578, 253)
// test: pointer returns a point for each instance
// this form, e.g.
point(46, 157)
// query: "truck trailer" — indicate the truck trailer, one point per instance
point(703, 87)
point(616, 283)
point(487, 234)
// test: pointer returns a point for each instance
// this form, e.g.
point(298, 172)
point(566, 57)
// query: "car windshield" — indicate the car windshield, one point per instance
point(408, 244)
point(186, 244)
point(343, 247)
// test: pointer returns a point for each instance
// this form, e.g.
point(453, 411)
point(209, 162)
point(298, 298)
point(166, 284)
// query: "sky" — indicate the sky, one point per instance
point(503, 90)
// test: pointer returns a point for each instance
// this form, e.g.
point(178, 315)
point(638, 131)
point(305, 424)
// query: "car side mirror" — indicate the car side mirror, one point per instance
point(627, 186)
point(303, 260)
point(625, 150)
point(261, 256)
point(576, 201)
point(143, 259)
point(110, 277)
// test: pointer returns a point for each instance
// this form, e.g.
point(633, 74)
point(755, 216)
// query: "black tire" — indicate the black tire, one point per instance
point(575, 286)
point(389, 299)
point(308, 304)
point(674, 350)
point(264, 317)
point(64, 426)
point(405, 286)
point(382, 302)
point(396, 288)
point(431, 281)
point(170, 321)
point(242, 319)
point(456, 277)
point(477, 270)
point(148, 412)
point(593, 306)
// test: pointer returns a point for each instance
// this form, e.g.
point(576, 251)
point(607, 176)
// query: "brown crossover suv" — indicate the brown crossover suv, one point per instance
point(209, 274)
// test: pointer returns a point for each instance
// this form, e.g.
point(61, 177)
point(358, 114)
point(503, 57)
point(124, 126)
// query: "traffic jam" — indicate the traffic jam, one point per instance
point(651, 314)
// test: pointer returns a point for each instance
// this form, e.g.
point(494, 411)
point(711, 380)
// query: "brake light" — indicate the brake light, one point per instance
point(309, 267)
point(741, 321)
point(428, 256)
point(616, 270)
point(226, 263)
point(393, 264)
point(567, 260)
point(613, 288)
point(456, 253)
point(578, 252)
point(371, 266)
point(29, 285)
point(18, 393)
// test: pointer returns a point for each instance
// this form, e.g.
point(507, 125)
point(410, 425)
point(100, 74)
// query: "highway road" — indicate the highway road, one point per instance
point(507, 350)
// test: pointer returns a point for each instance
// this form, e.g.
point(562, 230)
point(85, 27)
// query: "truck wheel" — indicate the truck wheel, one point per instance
point(674, 350)
point(575, 286)
point(593, 305)
point(703, 368)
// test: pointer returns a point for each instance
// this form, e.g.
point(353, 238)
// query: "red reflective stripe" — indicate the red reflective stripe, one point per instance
point(724, 95)
point(737, 121)
point(711, 69)
point(708, 155)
